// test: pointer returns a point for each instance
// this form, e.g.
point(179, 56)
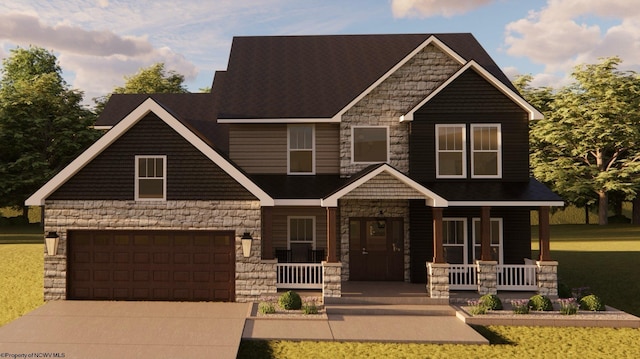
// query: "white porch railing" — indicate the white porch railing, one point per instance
point(517, 277)
point(299, 275)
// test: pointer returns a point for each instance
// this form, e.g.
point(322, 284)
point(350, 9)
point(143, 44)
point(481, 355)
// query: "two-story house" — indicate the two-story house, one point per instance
point(331, 158)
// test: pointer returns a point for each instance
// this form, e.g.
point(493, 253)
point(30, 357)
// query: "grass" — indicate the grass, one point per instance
point(21, 279)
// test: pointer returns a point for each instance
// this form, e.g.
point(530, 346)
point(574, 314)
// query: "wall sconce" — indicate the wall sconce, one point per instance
point(246, 244)
point(51, 242)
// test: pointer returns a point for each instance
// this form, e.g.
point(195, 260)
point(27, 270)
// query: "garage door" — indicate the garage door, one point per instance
point(151, 265)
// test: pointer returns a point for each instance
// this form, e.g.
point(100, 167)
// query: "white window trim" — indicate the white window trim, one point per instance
point(500, 239)
point(313, 150)
point(464, 151)
point(313, 221)
point(353, 160)
point(164, 177)
point(465, 250)
point(499, 151)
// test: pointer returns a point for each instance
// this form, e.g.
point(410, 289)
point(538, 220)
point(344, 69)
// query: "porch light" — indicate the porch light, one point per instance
point(246, 244)
point(51, 242)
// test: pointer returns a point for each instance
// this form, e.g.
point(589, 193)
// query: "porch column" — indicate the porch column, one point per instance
point(485, 234)
point(331, 235)
point(544, 234)
point(438, 249)
point(267, 232)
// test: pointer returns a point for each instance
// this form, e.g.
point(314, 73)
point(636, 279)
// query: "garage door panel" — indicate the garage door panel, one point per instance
point(151, 265)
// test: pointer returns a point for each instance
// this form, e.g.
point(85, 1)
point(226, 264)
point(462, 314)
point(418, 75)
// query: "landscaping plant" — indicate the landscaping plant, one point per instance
point(568, 306)
point(540, 303)
point(290, 301)
point(477, 307)
point(491, 301)
point(520, 306)
point(592, 302)
point(266, 308)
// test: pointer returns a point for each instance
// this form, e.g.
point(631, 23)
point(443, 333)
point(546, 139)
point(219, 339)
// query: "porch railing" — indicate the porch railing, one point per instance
point(299, 275)
point(515, 277)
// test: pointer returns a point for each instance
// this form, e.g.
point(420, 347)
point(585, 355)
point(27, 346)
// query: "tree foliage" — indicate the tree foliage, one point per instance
point(42, 123)
point(588, 144)
point(153, 79)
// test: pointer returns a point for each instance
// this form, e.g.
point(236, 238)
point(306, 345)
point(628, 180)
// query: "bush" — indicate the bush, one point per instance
point(564, 291)
point(540, 303)
point(491, 301)
point(568, 306)
point(592, 302)
point(477, 307)
point(290, 301)
point(266, 308)
point(520, 306)
point(309, 309)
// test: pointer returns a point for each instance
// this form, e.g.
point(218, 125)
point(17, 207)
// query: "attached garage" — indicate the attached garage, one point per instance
point(151, 265)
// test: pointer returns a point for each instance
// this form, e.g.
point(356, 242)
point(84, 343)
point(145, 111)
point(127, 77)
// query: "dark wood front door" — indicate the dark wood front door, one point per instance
point(376, 249)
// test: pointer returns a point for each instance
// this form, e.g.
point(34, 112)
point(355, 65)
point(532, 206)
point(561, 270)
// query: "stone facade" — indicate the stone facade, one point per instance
point(253, 276)
point(548, 278)
point(392, 98)
point(438, 280)
point(487, 277)
point(371, 208)
point(331, 280)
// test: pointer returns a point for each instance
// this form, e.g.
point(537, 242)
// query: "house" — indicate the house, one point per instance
point(331, 158)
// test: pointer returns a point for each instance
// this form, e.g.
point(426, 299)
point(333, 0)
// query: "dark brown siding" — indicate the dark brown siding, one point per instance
point(190, 174)
point(470, 99)
point(516, 234)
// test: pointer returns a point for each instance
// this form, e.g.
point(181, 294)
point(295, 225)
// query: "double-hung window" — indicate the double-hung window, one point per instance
point(301, 233)
point(301, 145)
point(486, 155)
point(370, 144)
point(454, 238)
point(150, 178)
point(451, 151)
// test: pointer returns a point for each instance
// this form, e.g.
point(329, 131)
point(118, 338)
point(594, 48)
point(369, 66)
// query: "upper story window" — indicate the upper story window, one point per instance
point(151, 175)
point(486, 154)
point(451, 151)
point(370, 144)
point(301, 145)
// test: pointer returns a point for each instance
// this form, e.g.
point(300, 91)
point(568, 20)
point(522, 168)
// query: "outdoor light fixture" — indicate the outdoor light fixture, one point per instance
point(246, 244)
point(51, 242)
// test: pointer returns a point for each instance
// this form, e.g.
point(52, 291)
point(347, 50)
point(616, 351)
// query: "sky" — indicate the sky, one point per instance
point(99, 42)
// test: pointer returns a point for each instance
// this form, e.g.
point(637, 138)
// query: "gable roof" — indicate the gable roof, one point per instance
point(313, 78)
point(149, 105)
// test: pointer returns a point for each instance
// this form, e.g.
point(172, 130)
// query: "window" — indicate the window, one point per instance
point(454, 238)
point(301, 235)
point(496, 239)
point(151, 174)
point(301, 149)
point(450, 151)
point(485, 151)
point(370, 144)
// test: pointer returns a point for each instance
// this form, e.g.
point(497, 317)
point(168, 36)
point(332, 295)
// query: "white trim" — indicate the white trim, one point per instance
point(353, 129)
point(312, 149)
point(137, 178)
point(149, 105)
point(102, 128)
point(464, 150)
point(500, 238)
point(465, 251)
point(506, 203)
point(431, 40)
point(298, 202)
point(432, 199)
point(278, 120)
point(313, 225)
point(498, 151)
point(533, 113)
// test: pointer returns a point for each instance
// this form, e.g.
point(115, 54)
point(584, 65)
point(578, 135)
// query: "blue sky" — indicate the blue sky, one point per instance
point(98, 42)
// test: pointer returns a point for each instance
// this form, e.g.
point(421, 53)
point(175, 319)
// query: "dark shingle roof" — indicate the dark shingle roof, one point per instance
point(317, 76)
point(532, 191)
point(298, 187)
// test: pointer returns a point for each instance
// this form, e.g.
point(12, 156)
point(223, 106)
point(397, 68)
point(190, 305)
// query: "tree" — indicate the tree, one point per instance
point(588, 145)
point(153, 79)
point(42, 123)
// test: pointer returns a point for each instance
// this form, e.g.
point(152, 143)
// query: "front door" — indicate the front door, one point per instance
point(376, 249)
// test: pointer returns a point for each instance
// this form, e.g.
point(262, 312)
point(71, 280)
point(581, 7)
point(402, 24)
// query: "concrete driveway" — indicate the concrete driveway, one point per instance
point(92, 329)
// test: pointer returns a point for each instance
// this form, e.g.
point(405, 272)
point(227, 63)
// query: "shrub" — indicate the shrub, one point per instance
point(568, 306)
point(520, 306)
point(540, 303)
point(477, 307)
point(309, 309)
point(290, 301)
point(564, 291)
point(592, 302)
point(266, 308)
point(491, 301)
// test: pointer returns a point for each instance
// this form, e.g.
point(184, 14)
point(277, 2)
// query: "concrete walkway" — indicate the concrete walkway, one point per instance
point(87, 329)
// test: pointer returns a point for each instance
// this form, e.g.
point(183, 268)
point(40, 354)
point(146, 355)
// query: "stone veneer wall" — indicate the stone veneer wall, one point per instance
point(371, 208)
point(253, 276)
point(548, 278)
point(394, 97)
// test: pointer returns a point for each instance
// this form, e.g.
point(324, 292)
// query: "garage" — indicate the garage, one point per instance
point(151, 265)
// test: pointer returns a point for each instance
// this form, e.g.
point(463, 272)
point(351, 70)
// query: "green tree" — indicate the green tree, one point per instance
point(588, 145)
point(153, 79)
point(43, 124)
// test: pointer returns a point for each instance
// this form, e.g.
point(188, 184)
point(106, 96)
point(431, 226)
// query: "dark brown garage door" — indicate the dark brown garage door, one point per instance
point(151, 265)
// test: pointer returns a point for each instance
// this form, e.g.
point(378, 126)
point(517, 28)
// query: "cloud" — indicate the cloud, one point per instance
point(430, 8)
